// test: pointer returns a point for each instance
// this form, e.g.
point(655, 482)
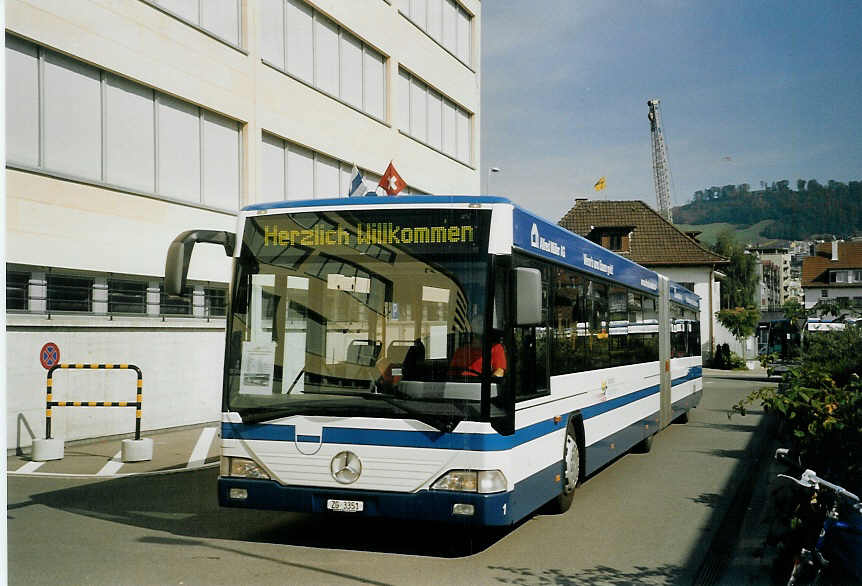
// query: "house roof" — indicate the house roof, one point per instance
point(815, 268)
point(654, 241)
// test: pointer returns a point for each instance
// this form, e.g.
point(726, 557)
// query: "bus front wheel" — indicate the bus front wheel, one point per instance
point(571, 471)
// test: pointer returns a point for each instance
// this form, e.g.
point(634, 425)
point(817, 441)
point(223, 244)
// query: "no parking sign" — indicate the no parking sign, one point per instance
point(49, 355)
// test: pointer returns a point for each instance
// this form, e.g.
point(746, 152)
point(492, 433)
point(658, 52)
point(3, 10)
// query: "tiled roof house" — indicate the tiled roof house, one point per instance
point(834, 273)
point(636, 231)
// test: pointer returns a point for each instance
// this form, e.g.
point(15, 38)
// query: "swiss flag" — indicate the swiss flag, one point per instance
point(392, 181)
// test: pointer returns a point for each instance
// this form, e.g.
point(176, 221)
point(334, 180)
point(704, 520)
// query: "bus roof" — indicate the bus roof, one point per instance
point(532, 234)
point(379, 200)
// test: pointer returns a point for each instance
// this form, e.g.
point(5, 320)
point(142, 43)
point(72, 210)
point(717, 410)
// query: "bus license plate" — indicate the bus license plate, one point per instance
point(344, 506)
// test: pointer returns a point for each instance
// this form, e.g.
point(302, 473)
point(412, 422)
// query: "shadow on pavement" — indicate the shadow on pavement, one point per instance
point(186, 505)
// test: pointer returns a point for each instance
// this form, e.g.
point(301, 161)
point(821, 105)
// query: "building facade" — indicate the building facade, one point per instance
point(776, 278)
point(834, 274)
point(769, 284)
point(129, 122)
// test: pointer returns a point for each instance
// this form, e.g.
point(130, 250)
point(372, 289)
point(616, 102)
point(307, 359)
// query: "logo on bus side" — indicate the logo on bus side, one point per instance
point(536, 241)
point(598, 265)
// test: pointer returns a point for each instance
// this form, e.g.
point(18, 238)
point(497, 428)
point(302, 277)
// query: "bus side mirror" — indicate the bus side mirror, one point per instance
point(528, 296)
point(180, 252)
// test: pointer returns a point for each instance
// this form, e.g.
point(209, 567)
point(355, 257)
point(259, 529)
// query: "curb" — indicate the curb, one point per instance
point(724, 548)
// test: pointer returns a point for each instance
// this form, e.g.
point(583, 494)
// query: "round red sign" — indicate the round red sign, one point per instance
point(49, 355)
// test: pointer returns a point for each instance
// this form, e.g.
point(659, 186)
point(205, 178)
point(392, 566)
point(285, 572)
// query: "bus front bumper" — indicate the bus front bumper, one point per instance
point(426, 505)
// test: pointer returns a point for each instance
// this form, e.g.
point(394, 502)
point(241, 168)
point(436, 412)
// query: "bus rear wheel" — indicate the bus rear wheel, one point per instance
point(571, 472)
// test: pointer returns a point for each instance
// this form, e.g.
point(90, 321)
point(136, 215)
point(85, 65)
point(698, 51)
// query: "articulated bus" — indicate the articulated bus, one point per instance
point(343, 387)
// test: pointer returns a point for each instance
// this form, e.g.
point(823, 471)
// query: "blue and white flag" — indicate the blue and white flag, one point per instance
point(357, 184)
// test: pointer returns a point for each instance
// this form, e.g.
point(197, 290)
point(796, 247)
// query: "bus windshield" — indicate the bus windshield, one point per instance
point(359, 313)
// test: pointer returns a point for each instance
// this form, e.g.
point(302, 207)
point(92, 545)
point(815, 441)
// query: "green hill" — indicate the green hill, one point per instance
point(777, 211)
point(744, 234)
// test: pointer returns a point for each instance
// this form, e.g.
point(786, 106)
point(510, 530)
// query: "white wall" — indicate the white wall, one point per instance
point(182, 376)
point(813, 294)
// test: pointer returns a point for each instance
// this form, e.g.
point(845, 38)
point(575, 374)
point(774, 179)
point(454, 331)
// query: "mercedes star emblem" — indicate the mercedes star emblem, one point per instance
point(345, 467)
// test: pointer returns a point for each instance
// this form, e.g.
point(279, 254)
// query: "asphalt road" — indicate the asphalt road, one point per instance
point(646, 518)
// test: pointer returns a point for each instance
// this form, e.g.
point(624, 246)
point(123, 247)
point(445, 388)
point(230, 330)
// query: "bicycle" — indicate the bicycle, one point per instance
point(831, 536)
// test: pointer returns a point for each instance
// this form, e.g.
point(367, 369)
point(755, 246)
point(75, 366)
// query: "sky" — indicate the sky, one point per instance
point(750, 91)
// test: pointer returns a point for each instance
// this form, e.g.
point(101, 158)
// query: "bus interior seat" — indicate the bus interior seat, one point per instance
point(397, 350)
point(363, 352)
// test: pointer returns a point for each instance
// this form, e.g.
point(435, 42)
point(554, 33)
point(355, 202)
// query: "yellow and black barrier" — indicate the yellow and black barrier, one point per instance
point(51, 403)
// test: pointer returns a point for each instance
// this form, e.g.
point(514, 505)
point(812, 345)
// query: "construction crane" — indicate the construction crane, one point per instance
point(660, 165)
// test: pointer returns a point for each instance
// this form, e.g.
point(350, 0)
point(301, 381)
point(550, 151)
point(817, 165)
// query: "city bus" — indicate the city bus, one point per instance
point(346, 389)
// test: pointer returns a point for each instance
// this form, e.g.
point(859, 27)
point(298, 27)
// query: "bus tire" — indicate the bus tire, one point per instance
point(571, 471)
point(682, 418)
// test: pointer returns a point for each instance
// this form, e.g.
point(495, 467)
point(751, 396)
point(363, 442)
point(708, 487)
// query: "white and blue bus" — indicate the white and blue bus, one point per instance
point(343, 390)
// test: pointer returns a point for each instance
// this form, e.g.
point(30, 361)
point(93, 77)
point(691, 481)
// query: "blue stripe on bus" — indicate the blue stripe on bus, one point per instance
point(396, 438)
point(435, 439)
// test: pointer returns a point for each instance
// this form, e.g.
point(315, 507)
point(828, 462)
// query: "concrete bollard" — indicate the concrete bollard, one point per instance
point(47, 449)
point(137, 450)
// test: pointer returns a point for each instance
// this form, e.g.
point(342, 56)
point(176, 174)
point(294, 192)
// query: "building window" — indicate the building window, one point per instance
point(70, 293)
point(127, 296)
point(615, 242)
point(173, 305)
point(445, 21)
point(433, 119)
point(309, 46)
point(215, 300)
point(16, 290)
point(824, 293)
point(29, 290)
point(109, 130)
point(220, 17)
point(857, 276)
point(294, 172)
point(838, 276)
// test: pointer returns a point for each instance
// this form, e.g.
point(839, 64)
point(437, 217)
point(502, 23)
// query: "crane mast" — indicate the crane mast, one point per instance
point(660, 165)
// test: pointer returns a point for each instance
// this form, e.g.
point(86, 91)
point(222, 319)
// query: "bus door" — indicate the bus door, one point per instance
point(530, 345)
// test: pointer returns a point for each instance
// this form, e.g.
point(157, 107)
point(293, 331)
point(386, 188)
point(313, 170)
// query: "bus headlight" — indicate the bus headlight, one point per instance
point(242, 468)
point(481, 481)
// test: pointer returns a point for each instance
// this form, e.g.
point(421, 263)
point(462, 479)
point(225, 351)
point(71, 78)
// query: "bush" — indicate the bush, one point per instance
point(819, 402)
point(725, 359)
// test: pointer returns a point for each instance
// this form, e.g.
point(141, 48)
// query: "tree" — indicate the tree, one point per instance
point(742, 323)
point(739, 288)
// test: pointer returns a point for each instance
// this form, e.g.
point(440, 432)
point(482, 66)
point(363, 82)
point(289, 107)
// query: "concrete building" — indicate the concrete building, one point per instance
point(635, 230)
point(131, 121)
point(776, 281)
point(769, 279)
point(834, 274)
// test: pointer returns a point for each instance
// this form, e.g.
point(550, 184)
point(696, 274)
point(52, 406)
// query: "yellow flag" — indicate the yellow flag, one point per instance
point(600, 184)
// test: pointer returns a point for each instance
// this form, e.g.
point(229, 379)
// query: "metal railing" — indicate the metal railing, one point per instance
point(49, 403)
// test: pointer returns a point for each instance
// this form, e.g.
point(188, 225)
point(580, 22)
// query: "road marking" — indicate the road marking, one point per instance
point(112, 466)
point(29, 467)
point(202, 448)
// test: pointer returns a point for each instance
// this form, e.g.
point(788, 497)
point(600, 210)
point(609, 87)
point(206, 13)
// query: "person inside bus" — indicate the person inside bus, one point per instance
point(467, 360)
